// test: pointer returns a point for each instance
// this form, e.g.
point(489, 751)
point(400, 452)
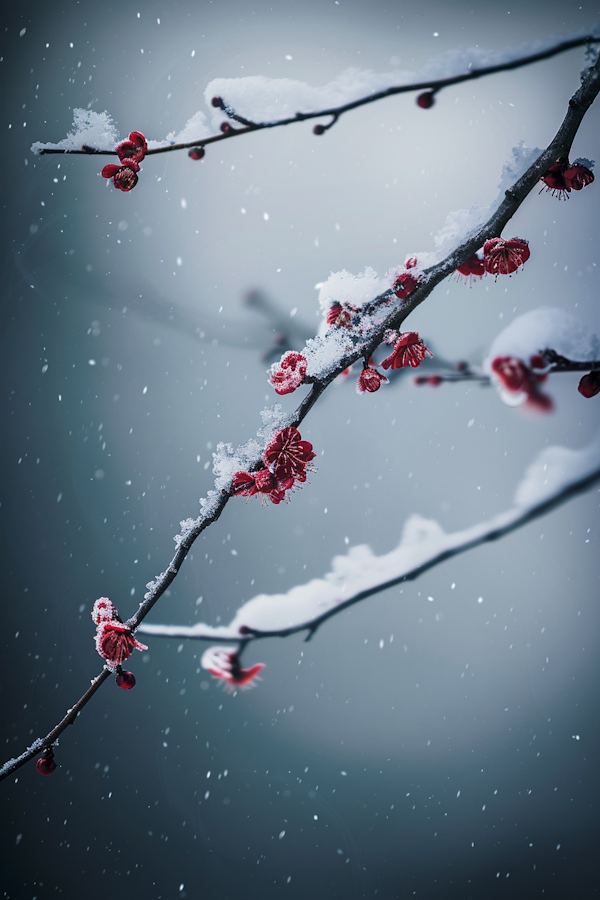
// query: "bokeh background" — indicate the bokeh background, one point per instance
point(424, 743)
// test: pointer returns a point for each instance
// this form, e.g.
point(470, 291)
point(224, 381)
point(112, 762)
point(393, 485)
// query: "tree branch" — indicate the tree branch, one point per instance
point(432, 86)
point(364, 346)
point(361, 575)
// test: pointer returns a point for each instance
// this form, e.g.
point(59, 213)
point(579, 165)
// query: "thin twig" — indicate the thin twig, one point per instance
point(451, 545)
point(337, 111)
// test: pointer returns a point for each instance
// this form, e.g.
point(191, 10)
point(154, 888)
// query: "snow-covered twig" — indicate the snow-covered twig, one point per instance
point(555, 476)
point(437, 74)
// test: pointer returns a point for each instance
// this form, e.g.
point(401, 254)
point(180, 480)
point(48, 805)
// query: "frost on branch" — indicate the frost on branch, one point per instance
point(555, 473)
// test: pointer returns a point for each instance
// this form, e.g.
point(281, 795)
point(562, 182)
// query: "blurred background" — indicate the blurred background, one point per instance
point(440, 739)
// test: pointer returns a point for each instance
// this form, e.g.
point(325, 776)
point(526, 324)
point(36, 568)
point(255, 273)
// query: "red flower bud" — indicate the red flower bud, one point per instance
point(319, 129)
point(262, 482)
point(426, 100)
point(370, 380)
point(589, 385)
point(404, 285)
point(104, 611)
point(125, 680)
point(45, 765)
point(217, 102)
point(225, 127)
point(134, 149)
point(196, 153)
point(288, 374)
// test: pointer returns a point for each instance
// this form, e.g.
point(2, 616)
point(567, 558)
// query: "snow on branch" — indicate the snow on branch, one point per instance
point(265, 99)
point(556, 475)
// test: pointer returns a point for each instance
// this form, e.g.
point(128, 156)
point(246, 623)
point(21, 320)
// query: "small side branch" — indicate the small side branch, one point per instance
point(406, 563)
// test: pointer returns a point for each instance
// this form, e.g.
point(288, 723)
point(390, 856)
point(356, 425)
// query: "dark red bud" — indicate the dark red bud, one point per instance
point(45, 764)
point(426, 100)
point(196, 153)
point(434, 380)
point(461, 366)
point(217, 102)
point(589, 385)
point(225, 127)
point(125, 680)
point(319, 129)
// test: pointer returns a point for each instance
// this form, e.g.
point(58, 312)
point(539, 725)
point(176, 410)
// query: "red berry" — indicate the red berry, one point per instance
point(225, 127)
point(589, 385)
point(319, 129)
point(196, 153)
point(217, 102)
point(426, 100)
point(125, 680)
point(45, 764)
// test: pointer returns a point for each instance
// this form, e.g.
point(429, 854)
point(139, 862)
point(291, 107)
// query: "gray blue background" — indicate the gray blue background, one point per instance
point(459, 760)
